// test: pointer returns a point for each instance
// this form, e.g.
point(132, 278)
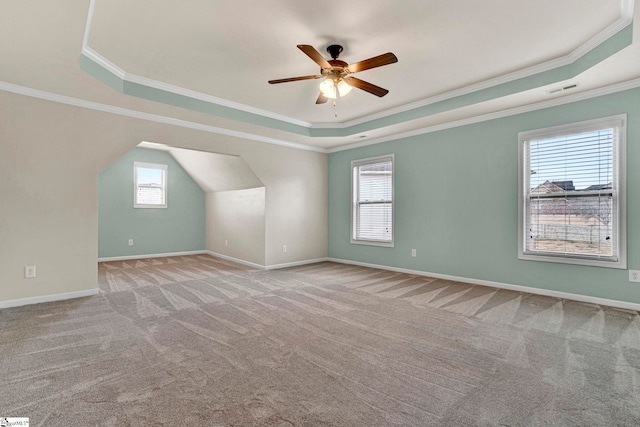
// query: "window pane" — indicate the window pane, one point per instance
point(148, 195)
point(147, 176)
point(573, 162)
point(571, 191)
point(150, 185)
point(373, 200)
point(571, 225)
point(375, 182)
point(374, 222)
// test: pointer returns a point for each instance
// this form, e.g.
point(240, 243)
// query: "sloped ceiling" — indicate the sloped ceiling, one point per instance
point(206, 64)
point(211, 171)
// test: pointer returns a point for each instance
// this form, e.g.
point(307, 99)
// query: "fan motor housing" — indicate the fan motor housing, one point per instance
point(338, 68)
point(334, 50)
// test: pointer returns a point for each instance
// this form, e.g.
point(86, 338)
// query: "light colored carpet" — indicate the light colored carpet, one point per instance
point(197, 341)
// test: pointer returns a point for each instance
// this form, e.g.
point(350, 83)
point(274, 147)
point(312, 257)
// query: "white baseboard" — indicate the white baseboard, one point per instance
point(266, 267)
point(217, 255)
point(518, 288)
point(295, 263)
point(129, 257)
point(236, 260)
point(48, 298)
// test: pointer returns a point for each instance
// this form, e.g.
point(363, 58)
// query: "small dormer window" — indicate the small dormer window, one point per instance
point(150, 185)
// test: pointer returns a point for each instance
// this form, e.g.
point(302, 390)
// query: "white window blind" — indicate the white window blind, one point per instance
point(372, 197)
point(571, 191)
point(150, 185)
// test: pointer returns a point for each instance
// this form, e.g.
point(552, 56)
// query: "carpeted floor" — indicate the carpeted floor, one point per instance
point(197, 341)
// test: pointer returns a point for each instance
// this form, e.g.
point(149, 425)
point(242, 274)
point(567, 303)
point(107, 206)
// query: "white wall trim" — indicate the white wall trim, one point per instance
point(87, 26)
point(625, 19)
point(295, 263)
point(626, 9)
point(518, 288)
point(216, 255)
point(236, 260)
point(48, 298)
point(266, 267)
point(76, 102)
point(104, 62)
point(178, 90)
point(146, 256)
point(568, 99)
point(133, 78)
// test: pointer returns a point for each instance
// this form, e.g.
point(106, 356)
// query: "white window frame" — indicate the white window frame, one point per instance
point(618, 186)
point(355, 203)
point(144, 165)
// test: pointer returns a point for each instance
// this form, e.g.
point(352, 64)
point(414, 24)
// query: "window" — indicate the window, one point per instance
point(150, 181)
point(572, 193)
point(372, 201)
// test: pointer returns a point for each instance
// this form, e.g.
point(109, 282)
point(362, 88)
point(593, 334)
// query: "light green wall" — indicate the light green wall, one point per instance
point(178, 228)
point(456, 203)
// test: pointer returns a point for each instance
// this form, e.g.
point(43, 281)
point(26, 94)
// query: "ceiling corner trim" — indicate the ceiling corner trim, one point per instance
point(615, 88)
point(626, 9)
point(224, 108)
point(562, 69)
point(603, 36)
point(601, 46)
point(169, 88)
point(141, 87)
point(103, 62)
point(612, 31)
point(87, 27)
point(105, 108)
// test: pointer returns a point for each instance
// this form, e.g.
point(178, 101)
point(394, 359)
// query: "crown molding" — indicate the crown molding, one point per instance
point(569, 59)
point(87, 26)
point(104, 62)
point(82, 103)
point(626, 18)
point(48, 96)
point(178, 90)
point(568, 99)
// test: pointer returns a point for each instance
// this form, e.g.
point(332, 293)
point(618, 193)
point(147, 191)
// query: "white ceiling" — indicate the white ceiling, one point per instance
point(222, 53)
point(211, 171)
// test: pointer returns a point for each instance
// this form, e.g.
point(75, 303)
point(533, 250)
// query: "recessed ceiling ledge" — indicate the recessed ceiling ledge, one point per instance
point(600, 47)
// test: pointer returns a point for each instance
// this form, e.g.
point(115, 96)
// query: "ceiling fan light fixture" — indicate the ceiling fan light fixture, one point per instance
point(336, 73)
point(344, 88)
point(328, 88)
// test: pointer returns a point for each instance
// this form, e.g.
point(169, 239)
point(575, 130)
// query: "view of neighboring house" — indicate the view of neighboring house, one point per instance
point(554, 187)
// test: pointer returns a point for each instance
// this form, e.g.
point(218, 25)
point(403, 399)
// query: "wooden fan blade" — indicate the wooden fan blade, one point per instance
point(293, 79)
point(321, 99)
point(376, 61)
point(366, 86)
point(312, 53)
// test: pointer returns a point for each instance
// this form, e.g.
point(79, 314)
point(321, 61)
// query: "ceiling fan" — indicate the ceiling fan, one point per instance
point(337, 74)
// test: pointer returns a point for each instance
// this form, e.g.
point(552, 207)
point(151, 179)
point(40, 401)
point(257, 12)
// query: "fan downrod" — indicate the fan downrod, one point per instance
point(334, 50)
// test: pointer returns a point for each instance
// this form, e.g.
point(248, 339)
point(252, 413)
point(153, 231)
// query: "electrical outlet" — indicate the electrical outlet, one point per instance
point(634, 275)
point(413, 253)
point(226, 243)
point(130, 242)
point(284, 248)
point(30, 272)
